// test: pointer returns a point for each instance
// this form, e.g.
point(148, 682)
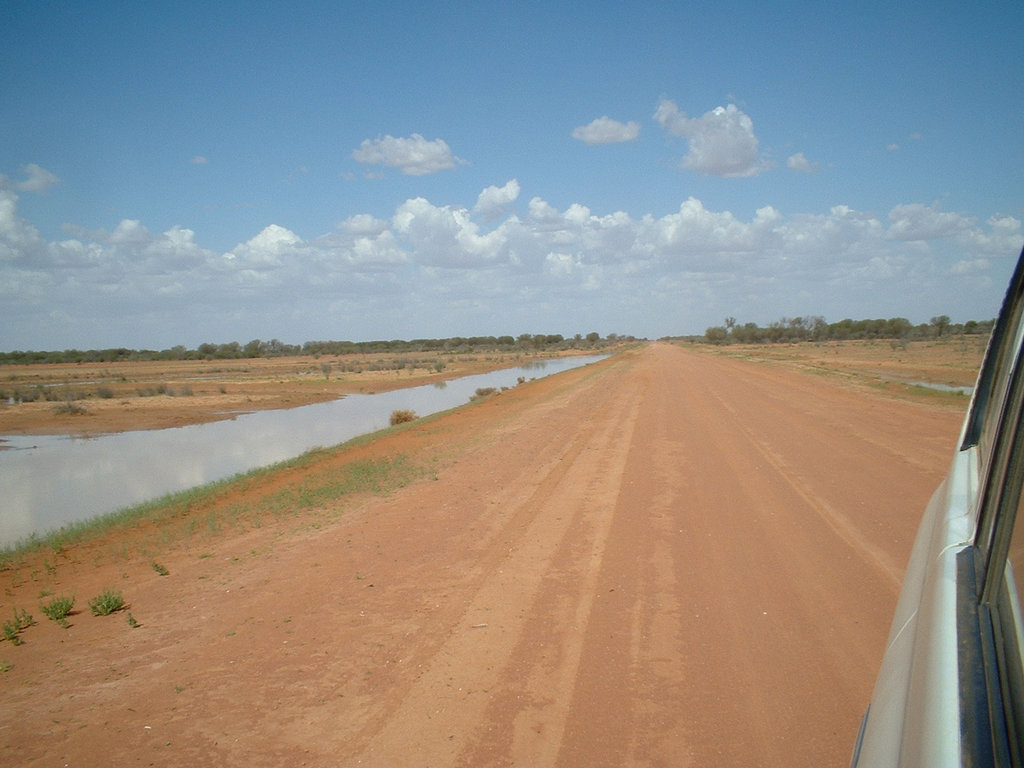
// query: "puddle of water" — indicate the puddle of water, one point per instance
point(942, 387)
point(53, 480)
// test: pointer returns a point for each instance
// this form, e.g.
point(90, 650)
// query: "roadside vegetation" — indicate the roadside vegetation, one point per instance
point(814, 328)
point(58, 609)
point(402, 416)
point(256, 348)
point(106, 603)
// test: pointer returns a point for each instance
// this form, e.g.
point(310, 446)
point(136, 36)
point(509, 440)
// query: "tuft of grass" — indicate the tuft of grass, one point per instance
point(11, 634)
point(106, 603)
point(402, 416)
point(160, 569)
point(12, 629)
point(5, 667)
point(132, 622)
point(58, 609)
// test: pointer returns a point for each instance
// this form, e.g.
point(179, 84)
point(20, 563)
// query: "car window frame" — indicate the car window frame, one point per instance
point(992, 624)
point(986, 421)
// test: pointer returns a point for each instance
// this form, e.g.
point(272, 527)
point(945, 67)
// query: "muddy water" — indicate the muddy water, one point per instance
point(50, 481)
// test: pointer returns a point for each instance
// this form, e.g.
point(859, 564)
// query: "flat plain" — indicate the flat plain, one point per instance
point(676, 556)
point(93, 398)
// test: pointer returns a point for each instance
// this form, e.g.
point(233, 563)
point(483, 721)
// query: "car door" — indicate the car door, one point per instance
point(950, 690)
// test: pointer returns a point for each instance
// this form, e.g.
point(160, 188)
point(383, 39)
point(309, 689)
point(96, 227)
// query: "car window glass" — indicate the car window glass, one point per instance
point(1010, 636)
point(999, 361)
point(1001, 403)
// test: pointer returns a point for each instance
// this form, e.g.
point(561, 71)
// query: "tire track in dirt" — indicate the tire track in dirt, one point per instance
point(538, 544)
point(725, 605)
point(821, 453)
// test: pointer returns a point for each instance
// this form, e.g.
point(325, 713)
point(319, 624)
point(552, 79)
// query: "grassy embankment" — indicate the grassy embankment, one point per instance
point(313, 482)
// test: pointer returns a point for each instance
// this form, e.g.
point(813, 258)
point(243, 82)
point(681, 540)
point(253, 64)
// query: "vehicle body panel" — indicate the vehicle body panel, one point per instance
point(950, 690)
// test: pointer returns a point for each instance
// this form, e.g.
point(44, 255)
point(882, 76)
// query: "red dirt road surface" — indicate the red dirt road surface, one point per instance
point(665, 559)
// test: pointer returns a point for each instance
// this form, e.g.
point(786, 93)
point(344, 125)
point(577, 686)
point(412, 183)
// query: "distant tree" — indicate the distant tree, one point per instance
point(716, 335)
point(940, 323)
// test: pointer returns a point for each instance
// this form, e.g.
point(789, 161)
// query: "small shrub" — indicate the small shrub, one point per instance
point(106, 603)
point(70, 408)
point(23, 619)
point(58, 609)
point(402, 416)
point(28, 397)
point(483, 392)
point(104, 393)
point(132, 622)
point(160, 569)
point(12, 629)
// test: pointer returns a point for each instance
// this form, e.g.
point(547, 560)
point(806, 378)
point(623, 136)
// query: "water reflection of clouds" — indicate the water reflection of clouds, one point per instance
point(57, 480)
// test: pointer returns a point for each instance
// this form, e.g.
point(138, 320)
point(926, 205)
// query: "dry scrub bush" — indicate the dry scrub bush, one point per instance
point(402, 416)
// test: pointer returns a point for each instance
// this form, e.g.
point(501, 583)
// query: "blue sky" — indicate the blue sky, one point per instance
point(175, 173)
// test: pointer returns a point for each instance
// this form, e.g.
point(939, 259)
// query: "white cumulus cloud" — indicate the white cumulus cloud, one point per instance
point(413, 155)
point(921, 222)
point(267, 250)
point(37, 179)
point(433, 270)
point(363, 224)
point(604, 130)
point(722, 141)
point(445, 236)
point(494, 201)
point(799, 162)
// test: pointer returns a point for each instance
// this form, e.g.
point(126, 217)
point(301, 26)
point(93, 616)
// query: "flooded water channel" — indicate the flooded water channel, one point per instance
point(50, 481)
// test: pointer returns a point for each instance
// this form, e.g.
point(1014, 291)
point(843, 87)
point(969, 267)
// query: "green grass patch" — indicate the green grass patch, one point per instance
point(58, 609)
point(106, 603)
point(13, 628)
point(376, 476)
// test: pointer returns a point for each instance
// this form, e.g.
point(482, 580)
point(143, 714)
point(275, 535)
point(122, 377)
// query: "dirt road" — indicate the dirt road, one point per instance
point(666, 559)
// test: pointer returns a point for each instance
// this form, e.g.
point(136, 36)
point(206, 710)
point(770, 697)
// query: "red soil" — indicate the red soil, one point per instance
point(667, 558)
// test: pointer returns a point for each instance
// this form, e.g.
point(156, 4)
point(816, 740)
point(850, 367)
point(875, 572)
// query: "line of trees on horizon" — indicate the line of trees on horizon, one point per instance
point(233, 350)
point(815, 328)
